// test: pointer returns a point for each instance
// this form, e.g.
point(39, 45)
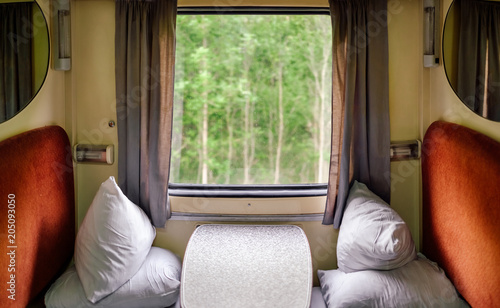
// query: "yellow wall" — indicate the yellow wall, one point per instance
point(93, 96)
point(93, 90)
point(405, 84)
point(41, 43)
point(451, 32)
point(417, 96)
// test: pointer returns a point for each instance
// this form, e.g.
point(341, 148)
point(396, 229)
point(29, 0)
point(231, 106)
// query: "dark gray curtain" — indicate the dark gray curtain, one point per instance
point(360, 103)
point(478, 82)
point(16, 36)
point(145, 56)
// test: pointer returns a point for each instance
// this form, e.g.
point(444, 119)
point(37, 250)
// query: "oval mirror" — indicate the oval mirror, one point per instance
point(471, 54)
point(24, 55)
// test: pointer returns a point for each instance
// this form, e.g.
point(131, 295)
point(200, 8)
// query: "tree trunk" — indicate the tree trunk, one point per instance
point(246, 146)
point(247, 120)
point(321, 104)
point(270, 138)
point(204, 132)
point(204, 144)
point(325, 104)
point(230, 130)
point(281, 127)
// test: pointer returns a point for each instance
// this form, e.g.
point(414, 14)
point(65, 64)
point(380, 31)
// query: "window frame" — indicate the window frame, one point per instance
point(249, 191)
point(251, 10)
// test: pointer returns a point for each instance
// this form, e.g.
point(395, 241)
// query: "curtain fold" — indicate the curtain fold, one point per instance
point(478, 73)
point(145, 57)
point(16, 40)
point(360, 103)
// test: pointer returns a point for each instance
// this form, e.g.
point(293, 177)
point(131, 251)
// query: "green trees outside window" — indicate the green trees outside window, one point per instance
point(252, 99)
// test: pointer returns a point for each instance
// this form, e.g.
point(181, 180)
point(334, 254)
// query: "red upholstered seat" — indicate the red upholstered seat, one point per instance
point(461, 209)
point(36, 181)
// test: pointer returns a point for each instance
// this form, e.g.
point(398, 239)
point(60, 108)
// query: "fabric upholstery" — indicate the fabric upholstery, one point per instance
point(112, 243)
point(419, 283)
point(461, 209)
point(360, 103)
point(373, 236)
point(145, 61)
point(36, 166)
point(156, 284)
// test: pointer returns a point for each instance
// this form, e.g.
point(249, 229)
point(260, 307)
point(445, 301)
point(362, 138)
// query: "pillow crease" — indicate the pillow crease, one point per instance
point(112, 242)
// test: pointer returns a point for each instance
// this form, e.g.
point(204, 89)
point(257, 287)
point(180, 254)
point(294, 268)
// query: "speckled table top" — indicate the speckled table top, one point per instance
point(247, 266)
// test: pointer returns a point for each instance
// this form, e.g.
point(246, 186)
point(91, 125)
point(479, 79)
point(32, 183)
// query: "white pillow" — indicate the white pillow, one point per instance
point(112, 242)
point(420, 283)
point(372, 235)
point(156, 284)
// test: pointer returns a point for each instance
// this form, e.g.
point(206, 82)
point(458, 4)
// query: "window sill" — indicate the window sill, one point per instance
point(247, 191)
point(245, 218)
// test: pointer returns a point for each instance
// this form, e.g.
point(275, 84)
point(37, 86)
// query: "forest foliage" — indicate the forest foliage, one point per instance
point(252, 99)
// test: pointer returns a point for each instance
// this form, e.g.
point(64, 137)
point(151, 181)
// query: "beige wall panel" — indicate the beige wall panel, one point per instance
point(405, 197)
point(405, 96)
point(93, 96)
point(93, 87)
point(248, 206)
point(405, 69)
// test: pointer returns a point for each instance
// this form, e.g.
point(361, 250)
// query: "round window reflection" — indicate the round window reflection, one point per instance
point(471, 45)
point(24, 55)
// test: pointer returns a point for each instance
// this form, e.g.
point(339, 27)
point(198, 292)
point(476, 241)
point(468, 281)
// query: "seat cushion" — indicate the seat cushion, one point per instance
point(317, 300)
point(156, 284)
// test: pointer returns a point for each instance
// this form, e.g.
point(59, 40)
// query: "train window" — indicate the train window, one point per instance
point(252, 98)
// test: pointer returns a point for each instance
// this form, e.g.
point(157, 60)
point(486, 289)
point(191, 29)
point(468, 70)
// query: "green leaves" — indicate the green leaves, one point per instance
point(255, 75)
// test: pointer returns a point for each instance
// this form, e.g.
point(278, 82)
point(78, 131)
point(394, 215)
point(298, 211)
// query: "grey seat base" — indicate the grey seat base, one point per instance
point(317, 300)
